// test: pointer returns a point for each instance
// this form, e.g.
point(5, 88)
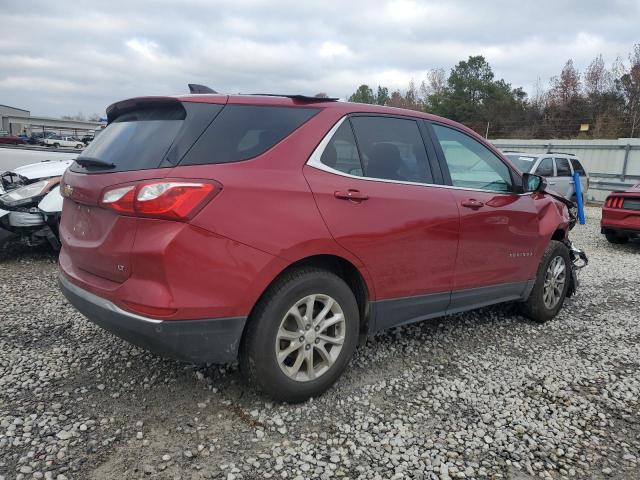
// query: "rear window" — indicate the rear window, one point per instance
point(138, 139)
point(577, 167)
point(241, 132)
point(523, 162)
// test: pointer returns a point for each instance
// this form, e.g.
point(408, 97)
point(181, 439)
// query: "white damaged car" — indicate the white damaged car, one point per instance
point(30, 202)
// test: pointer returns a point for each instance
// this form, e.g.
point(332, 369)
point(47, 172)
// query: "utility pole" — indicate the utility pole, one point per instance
point(486, 133)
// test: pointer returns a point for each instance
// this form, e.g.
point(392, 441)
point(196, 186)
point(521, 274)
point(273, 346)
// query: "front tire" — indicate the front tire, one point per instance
point(552, 283)
point(301, 335)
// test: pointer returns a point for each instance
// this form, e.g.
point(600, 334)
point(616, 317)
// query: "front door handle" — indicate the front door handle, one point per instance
point(353, 195)
point(472, 203)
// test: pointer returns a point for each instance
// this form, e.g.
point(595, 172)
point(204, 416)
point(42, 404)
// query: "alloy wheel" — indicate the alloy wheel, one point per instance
point(554, 280)
point(310, 337)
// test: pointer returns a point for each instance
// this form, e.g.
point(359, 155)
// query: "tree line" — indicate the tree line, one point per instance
point(601, 102)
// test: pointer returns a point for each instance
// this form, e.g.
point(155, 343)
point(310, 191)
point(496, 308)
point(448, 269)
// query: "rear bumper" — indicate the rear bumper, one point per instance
point(196, 341)
point(620, 220)
point(635, 232)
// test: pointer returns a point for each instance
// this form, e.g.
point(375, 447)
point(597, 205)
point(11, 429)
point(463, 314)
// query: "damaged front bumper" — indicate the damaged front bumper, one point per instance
point(579, 260)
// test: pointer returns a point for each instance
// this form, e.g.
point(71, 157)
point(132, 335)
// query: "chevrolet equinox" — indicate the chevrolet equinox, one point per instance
point(282, 230)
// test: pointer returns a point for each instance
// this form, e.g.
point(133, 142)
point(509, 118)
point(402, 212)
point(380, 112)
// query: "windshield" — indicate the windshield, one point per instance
point(523, 162)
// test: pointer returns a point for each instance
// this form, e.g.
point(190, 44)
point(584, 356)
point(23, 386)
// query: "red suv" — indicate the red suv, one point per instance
point(281, 230)
point(621, 216)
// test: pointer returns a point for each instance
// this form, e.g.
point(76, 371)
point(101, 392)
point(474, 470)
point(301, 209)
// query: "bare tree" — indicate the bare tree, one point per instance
point(597, 79)
point(567, 86)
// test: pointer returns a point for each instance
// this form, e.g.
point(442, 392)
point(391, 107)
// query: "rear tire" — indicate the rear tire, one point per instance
point(616, 238)
point(79, 145)
point(279, 324)
point(56, 145)
point(552, 283)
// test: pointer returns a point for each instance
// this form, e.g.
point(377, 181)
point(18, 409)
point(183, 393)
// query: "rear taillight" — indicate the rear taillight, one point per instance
point(168, 199)
point(614, 202)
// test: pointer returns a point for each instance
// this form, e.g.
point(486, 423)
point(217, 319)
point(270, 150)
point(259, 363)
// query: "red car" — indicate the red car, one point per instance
point(621, 216)
point(285, 229)
point(12, 140)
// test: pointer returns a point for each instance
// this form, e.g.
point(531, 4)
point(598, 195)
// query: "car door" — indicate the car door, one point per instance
point(564, 177)
point(497, 254)
point(377, 197)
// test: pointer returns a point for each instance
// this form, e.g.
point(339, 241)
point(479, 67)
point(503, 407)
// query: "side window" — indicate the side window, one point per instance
point(545, 169)
point(562, 167)
point(341, 152)
point(240, 132)
point(577, 167)
point(392, 149)
point(471, 164)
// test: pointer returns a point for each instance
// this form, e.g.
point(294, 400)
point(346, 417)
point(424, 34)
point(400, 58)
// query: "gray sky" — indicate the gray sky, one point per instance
point(60, 58)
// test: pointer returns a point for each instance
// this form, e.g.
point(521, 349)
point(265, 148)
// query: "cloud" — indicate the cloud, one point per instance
point(84, 56)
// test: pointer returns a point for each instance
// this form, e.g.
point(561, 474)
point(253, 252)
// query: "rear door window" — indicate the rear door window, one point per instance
point(392, 149)
point(341, 152)
point(545, 169)
point(241, 132)
point(562, 167)
point(577, 167)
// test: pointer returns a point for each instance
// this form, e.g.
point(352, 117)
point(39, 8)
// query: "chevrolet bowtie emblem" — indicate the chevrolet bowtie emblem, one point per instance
point(67, 190)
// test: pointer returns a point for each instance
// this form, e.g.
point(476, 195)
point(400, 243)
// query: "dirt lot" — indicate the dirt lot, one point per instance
point(484, 394)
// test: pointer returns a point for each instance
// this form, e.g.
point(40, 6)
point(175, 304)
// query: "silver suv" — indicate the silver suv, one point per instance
point(557, 168)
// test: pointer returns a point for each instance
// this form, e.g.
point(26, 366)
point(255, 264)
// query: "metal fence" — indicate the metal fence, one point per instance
point(612, 164)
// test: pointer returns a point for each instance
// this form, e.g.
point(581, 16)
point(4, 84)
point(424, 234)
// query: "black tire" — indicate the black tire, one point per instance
point(56, 145)
point(534, 307)
point(258, 359)
point(80, 145)
point(616, 238)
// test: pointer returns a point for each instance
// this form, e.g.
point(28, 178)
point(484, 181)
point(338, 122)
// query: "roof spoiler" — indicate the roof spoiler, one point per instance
point(301, 98)
point(116, 109)
point(195, 88)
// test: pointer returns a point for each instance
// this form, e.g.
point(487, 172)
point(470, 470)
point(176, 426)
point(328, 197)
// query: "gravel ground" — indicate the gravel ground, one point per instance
point(484, 394)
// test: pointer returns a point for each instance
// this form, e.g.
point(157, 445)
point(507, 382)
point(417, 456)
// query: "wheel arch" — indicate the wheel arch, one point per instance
point(342, 268)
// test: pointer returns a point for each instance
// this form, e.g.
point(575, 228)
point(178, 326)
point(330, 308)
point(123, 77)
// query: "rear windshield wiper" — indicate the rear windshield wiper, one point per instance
point(93, 162)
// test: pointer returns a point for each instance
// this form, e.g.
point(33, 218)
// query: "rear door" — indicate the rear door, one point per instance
point(372, 181)
point(498, 227)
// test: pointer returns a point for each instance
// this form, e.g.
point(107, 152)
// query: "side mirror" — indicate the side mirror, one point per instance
point(533, 183)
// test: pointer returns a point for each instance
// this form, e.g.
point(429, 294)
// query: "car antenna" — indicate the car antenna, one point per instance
point(195, 88)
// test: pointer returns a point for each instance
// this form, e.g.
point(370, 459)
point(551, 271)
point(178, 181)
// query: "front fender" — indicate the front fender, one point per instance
point(553, 217)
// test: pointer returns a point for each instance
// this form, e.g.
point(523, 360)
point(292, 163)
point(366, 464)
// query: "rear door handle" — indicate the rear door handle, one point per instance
point(353, 195)
point(472, 203)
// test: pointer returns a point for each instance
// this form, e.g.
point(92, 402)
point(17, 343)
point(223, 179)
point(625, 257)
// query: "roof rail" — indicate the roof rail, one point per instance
point(302, 98)
point(563, 153)
point(195, 88)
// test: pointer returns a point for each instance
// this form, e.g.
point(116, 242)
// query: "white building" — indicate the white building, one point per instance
point(18, 121)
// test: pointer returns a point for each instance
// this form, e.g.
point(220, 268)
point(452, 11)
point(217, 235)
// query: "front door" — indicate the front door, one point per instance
point(498, 227)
